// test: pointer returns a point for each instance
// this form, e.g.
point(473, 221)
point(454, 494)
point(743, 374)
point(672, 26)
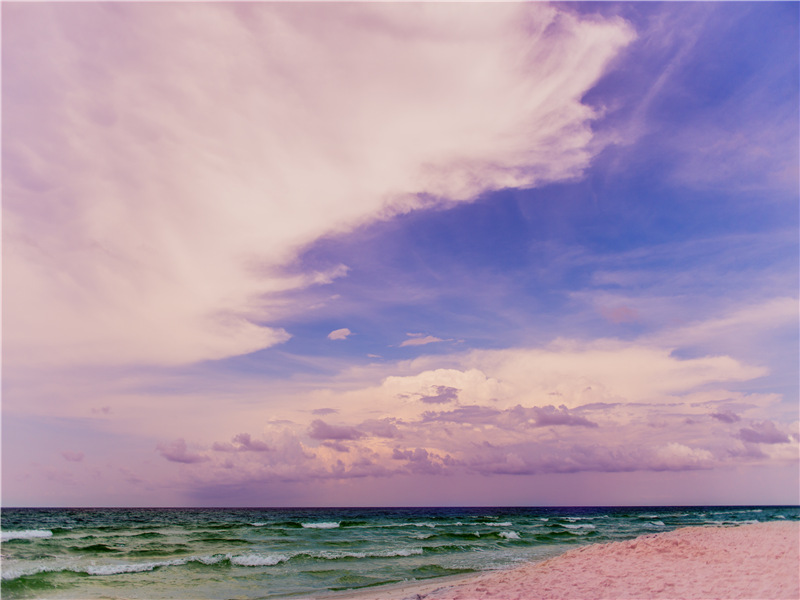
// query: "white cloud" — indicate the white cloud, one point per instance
point(340, 334)
point(164, 161)
point(419, 339)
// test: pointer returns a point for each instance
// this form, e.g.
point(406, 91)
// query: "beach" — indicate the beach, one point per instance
point(401, 554)
point(755, 561)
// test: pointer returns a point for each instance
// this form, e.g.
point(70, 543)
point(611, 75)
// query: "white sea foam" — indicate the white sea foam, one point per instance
point(10, 573)
point(116, 569)
point(324, 525)
point(25, 535)
point(580, 526)
point(509, 535)
point(401, 552)
point(327, 554)
point(258, 560)
point(504, 524)
point(257, 524)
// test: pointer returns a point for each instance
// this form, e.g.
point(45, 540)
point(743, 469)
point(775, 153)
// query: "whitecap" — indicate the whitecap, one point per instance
point(509, 535)
point(25, 535)
point(323, 525)
point(580, 526)
point(401, 552)
point(116, 569)
point(257, 524)
point(258, 560)
point(328, 555)
point(10, 573)
point(505, 524)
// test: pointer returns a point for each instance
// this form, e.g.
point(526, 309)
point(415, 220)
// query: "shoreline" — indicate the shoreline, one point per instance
point(758, 560)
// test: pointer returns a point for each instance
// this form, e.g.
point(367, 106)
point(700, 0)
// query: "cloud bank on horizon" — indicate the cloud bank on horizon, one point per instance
point(303, 253)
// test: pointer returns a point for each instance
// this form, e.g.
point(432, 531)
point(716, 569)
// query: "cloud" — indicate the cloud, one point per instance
point(763, 433)
point(619, 314)
point(324, 411)
point(244, 443)
point(384, 428)
point(71, 456)
point(177, 452)
point(726, 416)
point(339, 334)
point(550, 415)
point(442, 395)
point(420, 339)
point(320, 430)
point(157, 170)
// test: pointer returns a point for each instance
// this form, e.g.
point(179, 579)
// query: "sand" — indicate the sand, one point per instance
point(756, 561)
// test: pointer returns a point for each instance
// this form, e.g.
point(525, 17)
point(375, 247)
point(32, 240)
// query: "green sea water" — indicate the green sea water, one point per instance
point(249, 554)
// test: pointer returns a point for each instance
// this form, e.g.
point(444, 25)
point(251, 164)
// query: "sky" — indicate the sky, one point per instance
point(379, 254)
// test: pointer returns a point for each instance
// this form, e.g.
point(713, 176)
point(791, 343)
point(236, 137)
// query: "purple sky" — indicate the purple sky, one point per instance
point(400, 254)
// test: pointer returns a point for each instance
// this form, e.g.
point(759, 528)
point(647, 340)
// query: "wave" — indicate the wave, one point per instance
point(579, 526)
point(27, 534)
point(656, 524)
point(239, 560)
point(94, 549)
point(221, 540)
point(258, 560)
point(323, 525)
point(509, 535)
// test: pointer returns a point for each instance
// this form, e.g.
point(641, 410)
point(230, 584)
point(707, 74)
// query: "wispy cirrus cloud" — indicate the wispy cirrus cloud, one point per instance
point(420, 339)
point(163, 235)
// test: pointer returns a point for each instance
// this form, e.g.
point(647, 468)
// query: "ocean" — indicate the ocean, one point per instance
point(247, 554)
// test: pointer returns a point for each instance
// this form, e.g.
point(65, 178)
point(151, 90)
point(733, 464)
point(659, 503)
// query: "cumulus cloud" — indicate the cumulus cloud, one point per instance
point(550, 415)
point(764, 432)
point(242, 442)
point(178, 452)
point(320, 430)
point(340, 334)
point(216, 140)
point(442, 395)
point(726, 416)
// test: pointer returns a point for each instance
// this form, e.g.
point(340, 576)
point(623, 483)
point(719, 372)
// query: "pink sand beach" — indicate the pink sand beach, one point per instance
point(755, 561)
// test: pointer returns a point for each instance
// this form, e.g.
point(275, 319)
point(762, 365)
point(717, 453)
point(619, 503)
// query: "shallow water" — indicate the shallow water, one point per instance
point(272, 553)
